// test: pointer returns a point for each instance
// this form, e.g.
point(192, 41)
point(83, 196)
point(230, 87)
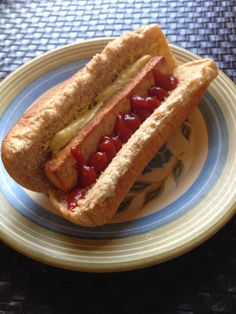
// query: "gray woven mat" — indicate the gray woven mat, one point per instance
point(201, 282)
point(29, 28)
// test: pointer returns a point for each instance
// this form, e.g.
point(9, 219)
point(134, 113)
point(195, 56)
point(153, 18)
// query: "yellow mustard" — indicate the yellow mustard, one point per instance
point(63, 136)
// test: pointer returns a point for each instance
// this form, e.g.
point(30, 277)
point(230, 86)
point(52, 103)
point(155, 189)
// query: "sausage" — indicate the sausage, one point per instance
point(60, 169)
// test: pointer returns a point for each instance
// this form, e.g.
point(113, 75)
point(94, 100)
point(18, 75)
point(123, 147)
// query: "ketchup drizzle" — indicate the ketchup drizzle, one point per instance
point(126, 124)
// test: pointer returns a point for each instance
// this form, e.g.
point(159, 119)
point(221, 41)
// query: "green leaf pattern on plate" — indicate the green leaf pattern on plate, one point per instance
point(125, 204)
point(186, 129)
point(162, 157)
point(150, 184)
point(136, 200)
point(139, 186)
point(178, 171)
point(153, 193)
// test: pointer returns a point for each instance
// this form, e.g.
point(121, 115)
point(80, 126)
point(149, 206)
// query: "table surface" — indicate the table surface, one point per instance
point(203, 280)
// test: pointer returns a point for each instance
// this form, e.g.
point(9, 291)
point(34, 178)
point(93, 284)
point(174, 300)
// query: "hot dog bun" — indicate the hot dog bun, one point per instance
point(23, 150)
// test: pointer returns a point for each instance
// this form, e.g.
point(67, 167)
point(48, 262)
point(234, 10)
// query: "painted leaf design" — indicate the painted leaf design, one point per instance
point(157, 161)
point(178, 170)
point(125, 204)
point(162, 149)
point(186, 130)
point(166, 153)
point(146, 170)
point(163, 156)
point(153, 194)
point(139, 186)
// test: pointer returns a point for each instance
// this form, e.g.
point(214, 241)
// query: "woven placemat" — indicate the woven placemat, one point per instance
point(200, 282)
point(30, 28)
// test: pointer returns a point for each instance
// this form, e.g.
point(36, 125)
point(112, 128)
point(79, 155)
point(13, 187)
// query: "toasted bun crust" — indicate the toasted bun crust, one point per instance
point(104, 197)
point(23, 150)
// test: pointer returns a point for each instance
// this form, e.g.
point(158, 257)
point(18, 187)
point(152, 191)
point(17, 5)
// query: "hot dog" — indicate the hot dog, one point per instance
point(131, 97)
point(60, 169)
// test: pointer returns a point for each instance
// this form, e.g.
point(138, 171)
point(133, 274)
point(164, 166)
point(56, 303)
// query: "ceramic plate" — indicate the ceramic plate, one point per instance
point(184, 195)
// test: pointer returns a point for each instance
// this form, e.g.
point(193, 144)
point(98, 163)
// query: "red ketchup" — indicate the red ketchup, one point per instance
point(126, 124)
point(122, 129)
point(108, 147)
point(165, 81)
point(75, 195)
point(99, 161)
point(159, 92)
